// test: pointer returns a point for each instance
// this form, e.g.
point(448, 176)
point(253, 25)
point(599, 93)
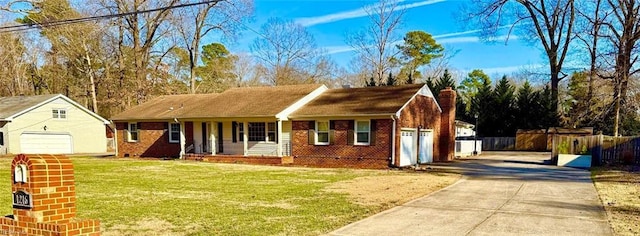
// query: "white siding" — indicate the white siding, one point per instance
point(3, 129)
point(88, 133)
point(286, 138)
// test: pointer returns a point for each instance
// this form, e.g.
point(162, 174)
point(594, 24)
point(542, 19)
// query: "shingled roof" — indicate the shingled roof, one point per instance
point(235, 102)
point(359, 101)
point(10, 106)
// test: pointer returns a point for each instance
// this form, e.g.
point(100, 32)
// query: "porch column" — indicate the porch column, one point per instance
point(245, 142)
point(183, 140)
point(212, 137)
point(279, 151)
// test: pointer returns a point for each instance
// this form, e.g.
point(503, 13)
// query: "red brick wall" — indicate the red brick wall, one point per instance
point(153, 140)
point(340, 154)
point(51, 185)
point(421, 112)
point(448, 131)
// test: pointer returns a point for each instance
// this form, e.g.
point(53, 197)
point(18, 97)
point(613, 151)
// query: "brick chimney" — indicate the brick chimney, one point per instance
point(447, 99)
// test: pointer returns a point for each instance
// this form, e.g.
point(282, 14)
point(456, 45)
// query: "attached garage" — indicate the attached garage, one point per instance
point(50, 143)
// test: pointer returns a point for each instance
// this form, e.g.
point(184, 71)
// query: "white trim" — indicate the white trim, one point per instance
point(129, 140)
point(355, 135)
point(328, 132)
point(284, 114)
point(183, 139)
point(279, 133)
point(424, 91)
point(106, 122)
point(170, 131)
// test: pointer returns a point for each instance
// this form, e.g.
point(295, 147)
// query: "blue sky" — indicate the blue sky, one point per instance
point(330, 20)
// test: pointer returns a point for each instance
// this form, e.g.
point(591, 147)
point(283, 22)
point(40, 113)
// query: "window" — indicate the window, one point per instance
point(322, 132)
point(271, 132)
point(241, 131)
point(362, 132)
point(256, 131)
point(59, 113)
point(1, 138)
point(174, 132)
point(133, 132)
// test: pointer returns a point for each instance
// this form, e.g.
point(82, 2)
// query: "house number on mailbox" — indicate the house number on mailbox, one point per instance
point(22, 200)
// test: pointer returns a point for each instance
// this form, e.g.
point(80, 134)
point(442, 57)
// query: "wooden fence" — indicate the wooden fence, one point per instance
point(603, 149)
point(498, 143)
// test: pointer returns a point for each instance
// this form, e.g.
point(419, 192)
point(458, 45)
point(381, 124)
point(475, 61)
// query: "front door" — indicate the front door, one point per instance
point(219, 138)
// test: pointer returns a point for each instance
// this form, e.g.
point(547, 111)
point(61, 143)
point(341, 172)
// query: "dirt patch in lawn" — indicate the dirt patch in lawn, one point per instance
point(143, 227)
point(619, 190)
point(391, 189)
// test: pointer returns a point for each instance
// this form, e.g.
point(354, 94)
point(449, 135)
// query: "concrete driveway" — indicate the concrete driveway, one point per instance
point(507, 193)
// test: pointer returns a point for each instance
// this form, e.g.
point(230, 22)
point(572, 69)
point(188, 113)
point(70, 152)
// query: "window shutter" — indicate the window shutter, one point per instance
point(332, 132)
point(138, 126)
point(350, 133)
point(372, 133)
point(166, 126)
point(311, 134)
point(276, 132)
point(234, 131)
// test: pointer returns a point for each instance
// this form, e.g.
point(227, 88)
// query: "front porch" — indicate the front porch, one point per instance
point(233, 137)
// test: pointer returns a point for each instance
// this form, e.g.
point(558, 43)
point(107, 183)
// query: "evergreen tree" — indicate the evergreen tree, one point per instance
point(525, 108)
point(371, 83)
point(410, 78)
point(482, 106)
point(445, 81)
point(391, 81)
point(503, 98)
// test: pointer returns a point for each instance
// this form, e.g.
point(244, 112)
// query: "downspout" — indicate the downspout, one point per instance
point(115, 137)
point(393, 141)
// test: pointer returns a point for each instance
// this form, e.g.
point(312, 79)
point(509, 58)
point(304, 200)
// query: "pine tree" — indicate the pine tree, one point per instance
point(482, 106)
point(504, 103)
point(525, 108)
point(371, 83)
point(391, 81)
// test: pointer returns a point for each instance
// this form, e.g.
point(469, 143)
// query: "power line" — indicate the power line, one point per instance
point(35, 25)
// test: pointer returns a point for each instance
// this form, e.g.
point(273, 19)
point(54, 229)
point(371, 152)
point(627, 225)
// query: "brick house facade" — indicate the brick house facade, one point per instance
point(317, 126)
point(153, 140)
point(341, 152)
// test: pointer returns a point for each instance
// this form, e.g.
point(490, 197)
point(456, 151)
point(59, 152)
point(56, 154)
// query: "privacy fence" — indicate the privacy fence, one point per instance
point(605, 150)
point(498, 143)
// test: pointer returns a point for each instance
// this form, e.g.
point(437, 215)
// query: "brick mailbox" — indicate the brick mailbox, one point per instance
point(44, 199)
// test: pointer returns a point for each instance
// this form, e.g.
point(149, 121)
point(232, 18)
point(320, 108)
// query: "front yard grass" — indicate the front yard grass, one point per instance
point(619, 190)
point(155, 197)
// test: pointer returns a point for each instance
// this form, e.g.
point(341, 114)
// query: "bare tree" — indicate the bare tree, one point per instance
point(195, 23)
point(375, 43)
point(550, 22)
point(288, 51)
point(622, 30)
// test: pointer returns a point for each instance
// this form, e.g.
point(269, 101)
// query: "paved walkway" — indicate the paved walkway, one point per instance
point(501, 194)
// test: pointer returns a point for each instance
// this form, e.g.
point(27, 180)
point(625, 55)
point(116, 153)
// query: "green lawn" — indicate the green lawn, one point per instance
point(144, 197)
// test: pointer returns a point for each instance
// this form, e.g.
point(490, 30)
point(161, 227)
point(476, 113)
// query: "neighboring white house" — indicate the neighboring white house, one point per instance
point(464, 129)
point(51, 124)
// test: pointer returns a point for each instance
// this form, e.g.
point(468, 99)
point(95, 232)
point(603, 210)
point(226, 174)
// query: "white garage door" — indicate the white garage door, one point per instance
point(36, 143)
point(407, 148)
point(426, 147)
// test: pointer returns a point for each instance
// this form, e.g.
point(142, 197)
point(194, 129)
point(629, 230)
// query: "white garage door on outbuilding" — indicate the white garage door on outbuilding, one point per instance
point(49, 143)
point(408, 149)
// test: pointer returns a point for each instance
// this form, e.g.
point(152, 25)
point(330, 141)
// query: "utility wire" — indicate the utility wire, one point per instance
point(35, 25)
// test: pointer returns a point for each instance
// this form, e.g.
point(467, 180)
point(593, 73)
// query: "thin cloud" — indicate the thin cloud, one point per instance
point(344, 15)
point(442, 39)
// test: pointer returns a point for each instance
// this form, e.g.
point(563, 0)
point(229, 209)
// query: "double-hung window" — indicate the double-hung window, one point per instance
point(174, 132)
point(59, 113)
point(363, 128)
point(322, 132)
point(133, 132)
point(256, 131)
